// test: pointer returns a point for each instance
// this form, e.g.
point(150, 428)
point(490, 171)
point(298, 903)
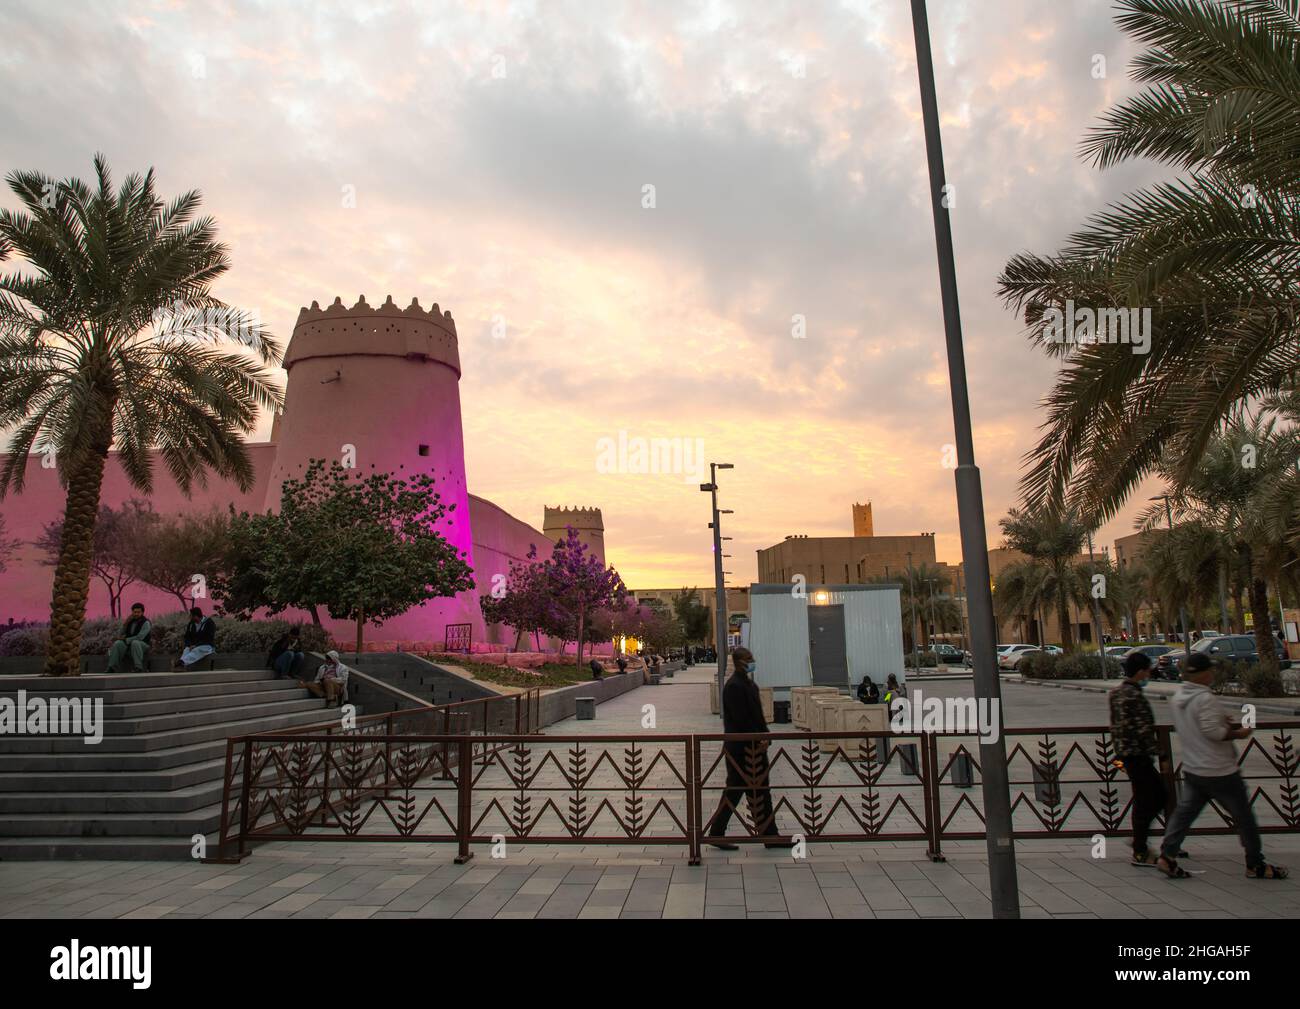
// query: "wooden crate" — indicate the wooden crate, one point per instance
point(867, 718)
point(799, 703)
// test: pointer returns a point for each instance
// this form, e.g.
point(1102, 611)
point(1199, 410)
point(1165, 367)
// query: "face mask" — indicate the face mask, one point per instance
point(750, 666)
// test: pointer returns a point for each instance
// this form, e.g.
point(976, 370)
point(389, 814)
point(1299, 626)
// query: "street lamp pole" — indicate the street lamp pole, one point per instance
point(720, 598)
point(1004, 890)
point(911, 599)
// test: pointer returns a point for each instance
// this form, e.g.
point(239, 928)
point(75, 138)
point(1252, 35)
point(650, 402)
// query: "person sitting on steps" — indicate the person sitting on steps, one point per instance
point(331, 679)
point(200, 639)
point(286, 654)
point(133, 641)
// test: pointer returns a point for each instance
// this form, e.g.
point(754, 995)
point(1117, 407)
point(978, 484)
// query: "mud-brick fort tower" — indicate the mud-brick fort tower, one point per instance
point(587, 521)
point(374, 388)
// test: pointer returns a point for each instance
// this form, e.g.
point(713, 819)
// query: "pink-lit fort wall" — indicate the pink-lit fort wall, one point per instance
point(375, 387)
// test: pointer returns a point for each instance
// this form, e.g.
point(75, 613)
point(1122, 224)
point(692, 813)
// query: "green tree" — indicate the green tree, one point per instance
point(1021, 593)
point(693, 616)
point(1228, 491)
point(122, 537)
point(110, 336)
point(182, 554)
point(1214, 255)
point(1054, 538)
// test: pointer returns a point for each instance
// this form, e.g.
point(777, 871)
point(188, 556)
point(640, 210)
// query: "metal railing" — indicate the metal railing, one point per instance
point(394, 783)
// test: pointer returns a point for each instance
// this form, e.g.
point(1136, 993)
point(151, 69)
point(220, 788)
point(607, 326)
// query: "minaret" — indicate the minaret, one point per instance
point(862, 520)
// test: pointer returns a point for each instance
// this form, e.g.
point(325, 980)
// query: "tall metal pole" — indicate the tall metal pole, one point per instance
point(720, 599)
point(1096, 615)
point(911, 599)
point(1003, 887)
point(934, 626)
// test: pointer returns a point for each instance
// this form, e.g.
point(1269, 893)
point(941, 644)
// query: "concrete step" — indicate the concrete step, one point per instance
point(89, 761)
point(176, 695)
point(312, 711)
point(145, 848)
point(55, 803)
point(70, 686)
point(161, 780)
point(301, 701)
point(272, 692)
point(203, 820)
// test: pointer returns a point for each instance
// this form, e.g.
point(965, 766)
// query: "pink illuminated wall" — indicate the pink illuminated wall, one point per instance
point(378, 388)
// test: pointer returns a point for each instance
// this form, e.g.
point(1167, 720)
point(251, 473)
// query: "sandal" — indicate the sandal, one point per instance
point(1171, 868)
point(1266, 871)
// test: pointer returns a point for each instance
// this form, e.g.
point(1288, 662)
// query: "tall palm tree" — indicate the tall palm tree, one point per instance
point(1021, 592)
point(110, 337)
point(1214, 255)
point(1054, 538)
point(1232, 500)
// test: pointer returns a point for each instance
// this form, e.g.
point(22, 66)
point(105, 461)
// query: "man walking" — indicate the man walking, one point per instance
point(746, 760)
point(1133, 731)
point(1205, 733)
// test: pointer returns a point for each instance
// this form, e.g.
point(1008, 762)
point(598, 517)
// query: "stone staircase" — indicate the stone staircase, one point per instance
point(155, 779)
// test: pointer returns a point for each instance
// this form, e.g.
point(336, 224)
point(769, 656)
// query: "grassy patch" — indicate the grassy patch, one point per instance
point(550, 674)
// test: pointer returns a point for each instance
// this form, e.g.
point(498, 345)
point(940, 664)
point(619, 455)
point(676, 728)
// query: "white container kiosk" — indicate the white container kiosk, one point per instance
point(828, 635)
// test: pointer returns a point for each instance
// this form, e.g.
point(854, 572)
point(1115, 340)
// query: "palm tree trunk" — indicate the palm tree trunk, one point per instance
point(1265, 643)
point(72, 573)
point(1063, 618)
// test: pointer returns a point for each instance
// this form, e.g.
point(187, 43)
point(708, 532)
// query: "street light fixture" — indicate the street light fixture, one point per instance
point(1004, 891)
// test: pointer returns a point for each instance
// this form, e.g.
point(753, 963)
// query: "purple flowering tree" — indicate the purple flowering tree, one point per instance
point(577, 585)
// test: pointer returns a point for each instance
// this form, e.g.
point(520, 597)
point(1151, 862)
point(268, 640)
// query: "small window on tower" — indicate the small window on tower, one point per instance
point(424, 450)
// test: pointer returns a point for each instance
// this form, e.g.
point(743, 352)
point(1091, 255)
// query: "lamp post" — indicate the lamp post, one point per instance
point(911, 598)
point(720, 598)
point(1004, 891)
point(1096, 615)
point(1182, 610)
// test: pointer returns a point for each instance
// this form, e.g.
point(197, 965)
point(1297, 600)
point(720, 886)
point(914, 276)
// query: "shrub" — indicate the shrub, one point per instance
point(1260, 682)
point(25, 641)
point(928, 660)
point(98, 635)
point(1042, 666)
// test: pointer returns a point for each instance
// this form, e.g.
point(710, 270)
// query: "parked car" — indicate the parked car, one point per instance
point(1236, 650)
point(1009, 655)
point(1117, 651)
point(947, 653)
point(1052, 649)
point(1020, 656)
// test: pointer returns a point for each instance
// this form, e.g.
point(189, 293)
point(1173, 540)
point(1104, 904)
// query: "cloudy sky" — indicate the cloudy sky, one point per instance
point(499, 155)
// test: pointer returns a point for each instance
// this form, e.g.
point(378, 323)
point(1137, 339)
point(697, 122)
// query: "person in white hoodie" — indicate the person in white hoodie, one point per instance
point(1210, 772)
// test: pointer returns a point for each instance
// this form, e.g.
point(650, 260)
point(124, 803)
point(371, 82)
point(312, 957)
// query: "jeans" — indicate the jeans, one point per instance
point(288, 664)
point(1148, 797)
point(1229, 791)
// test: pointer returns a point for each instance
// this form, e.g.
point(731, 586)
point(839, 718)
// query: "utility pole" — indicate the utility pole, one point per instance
point(911, 599)
point(933, 625)
point(1004, 890)
point(720, 598)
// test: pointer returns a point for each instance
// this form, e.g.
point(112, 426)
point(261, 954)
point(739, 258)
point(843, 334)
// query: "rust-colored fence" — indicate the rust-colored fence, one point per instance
point(412, 777)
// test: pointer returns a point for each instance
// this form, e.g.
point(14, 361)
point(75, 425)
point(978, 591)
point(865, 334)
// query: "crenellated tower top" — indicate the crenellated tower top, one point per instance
point(340, 331)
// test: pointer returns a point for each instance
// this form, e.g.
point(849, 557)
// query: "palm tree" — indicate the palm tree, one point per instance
point(1213, 255)
point(1232, 500)
point(1021, 592)
point(1054, 538)
point(111, 337)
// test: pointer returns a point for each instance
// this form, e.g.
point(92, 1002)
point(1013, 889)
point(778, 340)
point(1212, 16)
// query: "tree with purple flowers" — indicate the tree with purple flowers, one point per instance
point(577, 585)
point(521, 602)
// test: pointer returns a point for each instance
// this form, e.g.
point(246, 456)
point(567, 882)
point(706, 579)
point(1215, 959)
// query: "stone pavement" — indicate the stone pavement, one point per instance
point(1058, 878)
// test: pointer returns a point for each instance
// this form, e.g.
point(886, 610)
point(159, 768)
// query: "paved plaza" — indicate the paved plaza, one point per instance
point(883, 879)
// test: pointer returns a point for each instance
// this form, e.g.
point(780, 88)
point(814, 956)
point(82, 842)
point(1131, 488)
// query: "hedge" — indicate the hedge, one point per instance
point(98, 635)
